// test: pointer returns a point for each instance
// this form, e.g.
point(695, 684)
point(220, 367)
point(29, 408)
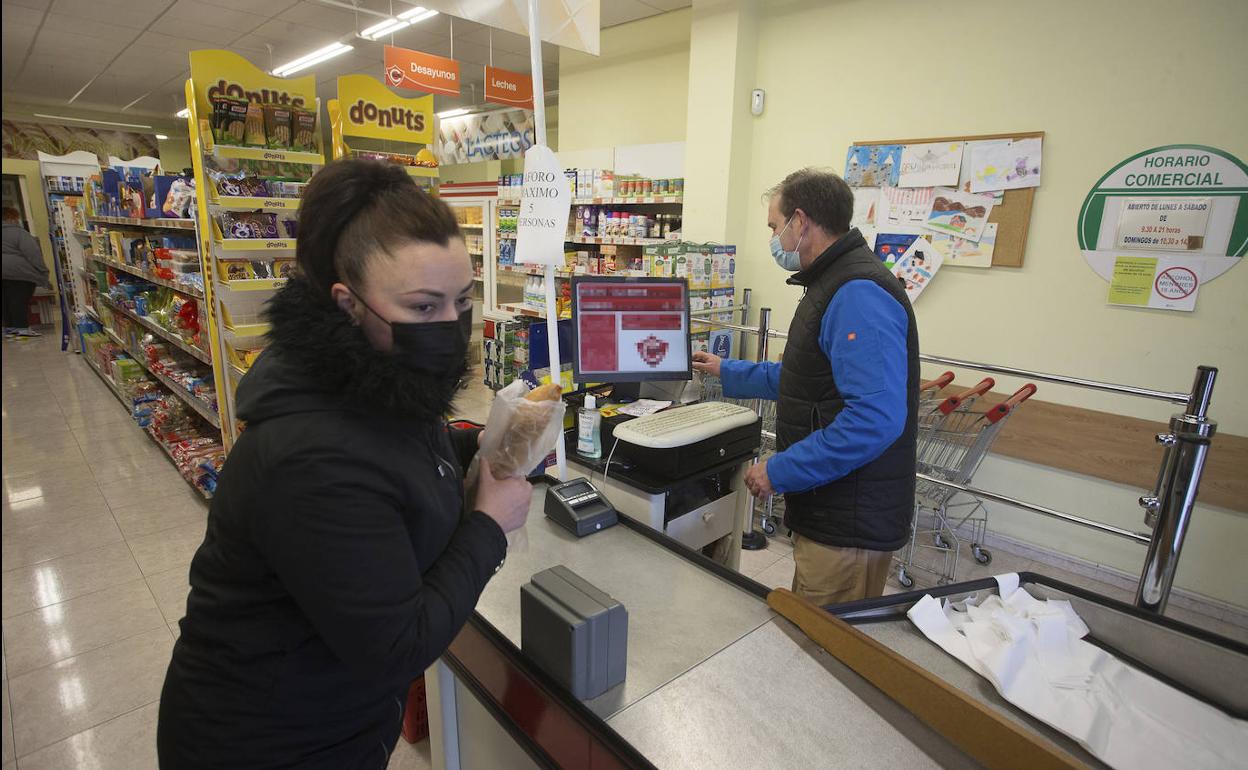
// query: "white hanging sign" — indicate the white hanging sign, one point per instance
point(545, 201)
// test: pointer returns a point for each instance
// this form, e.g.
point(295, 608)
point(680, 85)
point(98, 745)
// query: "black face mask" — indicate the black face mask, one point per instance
point(437, 349)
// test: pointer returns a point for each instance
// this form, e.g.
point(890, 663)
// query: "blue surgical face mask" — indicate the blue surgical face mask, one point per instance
point(789, 260)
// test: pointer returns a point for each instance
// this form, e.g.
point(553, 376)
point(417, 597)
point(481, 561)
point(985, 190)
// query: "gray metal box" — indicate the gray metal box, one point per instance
point(573, 631)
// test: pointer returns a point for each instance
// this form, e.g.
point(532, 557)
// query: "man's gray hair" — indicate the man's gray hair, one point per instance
point(822, 195)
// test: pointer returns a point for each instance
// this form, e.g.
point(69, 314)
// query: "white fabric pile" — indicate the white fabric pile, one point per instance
point(1034, 654)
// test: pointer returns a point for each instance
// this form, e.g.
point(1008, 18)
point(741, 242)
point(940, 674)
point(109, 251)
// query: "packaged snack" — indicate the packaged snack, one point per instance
point(253, 128)
point(257, 224)
point(277, 125)
point(238, 184)
point(233, 122)
point(283, 268)
point(220, 112)
point(237, 271)
point(303, 125)
point(261, 269)
point(291, 226)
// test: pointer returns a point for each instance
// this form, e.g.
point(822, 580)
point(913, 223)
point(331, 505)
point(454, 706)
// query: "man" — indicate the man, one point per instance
point(846, 392)
point(23, 269)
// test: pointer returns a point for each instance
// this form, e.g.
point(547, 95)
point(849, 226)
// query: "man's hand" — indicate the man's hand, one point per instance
point(707, 363)
point(757, 482)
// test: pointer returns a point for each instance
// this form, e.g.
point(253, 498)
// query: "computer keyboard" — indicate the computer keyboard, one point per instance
point(684, 425)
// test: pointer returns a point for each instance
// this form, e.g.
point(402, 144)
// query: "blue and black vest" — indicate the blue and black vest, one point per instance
point(872, 506)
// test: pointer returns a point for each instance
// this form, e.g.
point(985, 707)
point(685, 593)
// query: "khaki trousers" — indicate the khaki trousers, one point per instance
point(830, 575)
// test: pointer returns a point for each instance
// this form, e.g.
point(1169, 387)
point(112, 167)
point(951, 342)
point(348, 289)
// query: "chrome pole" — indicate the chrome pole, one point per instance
point(1109, 387)
point(745, 319)
point(752, 539)
point(1170, 509)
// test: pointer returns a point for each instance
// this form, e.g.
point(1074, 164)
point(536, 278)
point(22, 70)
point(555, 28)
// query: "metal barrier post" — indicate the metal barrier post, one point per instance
point(1169, 510)
point(752, 539)
point(745, 320)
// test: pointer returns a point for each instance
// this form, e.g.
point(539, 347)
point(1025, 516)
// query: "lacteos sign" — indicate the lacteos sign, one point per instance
point(485, 136)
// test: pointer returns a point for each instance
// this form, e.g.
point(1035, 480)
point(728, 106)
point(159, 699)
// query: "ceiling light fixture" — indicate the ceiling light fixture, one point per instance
point(394, 24)
point(96, 122)
point(183, 113)
point(455, 113)
point(316, 57)
point(161, 136)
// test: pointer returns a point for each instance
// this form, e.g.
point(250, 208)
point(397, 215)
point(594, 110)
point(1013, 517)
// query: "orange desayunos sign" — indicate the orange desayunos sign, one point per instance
point(419, 71)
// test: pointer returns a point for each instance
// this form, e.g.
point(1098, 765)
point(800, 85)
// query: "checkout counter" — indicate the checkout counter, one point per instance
point(716, 680)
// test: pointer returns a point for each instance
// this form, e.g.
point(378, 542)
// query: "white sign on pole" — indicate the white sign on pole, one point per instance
point(544, 205)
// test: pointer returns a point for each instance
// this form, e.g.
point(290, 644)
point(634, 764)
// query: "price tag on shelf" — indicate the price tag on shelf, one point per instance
point(544, 204)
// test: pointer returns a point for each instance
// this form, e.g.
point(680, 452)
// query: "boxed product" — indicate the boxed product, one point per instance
point(724, 261)
point(700, 342)
point(277, 126)
point(699, 299)
point(720, 341)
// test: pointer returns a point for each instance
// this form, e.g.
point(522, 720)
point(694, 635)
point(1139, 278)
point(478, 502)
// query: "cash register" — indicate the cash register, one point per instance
point(636, 330)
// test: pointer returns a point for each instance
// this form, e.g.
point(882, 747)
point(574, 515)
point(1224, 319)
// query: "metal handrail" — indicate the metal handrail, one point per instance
point(1168, 509)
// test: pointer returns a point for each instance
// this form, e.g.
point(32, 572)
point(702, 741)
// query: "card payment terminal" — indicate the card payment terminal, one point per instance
point(579, 507)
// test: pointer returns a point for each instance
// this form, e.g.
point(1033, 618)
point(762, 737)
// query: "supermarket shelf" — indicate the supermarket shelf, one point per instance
point(647, 199)
point(202, 408)
point(606, 240)
point(227, 203)
point(478, 279)
point(159, 224)
point(519, 308)
point(476, 253)
point(421, 171)
point(471, 225)
point(248, 330)
point(147, 276)
point(116, 391)
point(264, 153)
point(255, 284)
point(82, 233)
point(54, 191)
point(256, 244)
point(159, 331)
point(618, 240)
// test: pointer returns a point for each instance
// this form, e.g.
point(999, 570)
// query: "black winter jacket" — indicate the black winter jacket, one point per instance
point(336, 567)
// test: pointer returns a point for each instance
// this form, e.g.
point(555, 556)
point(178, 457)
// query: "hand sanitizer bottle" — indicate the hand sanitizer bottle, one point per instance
point(589, 429)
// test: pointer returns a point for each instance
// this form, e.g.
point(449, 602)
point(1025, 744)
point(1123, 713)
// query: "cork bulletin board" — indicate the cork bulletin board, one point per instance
point(1012, 215)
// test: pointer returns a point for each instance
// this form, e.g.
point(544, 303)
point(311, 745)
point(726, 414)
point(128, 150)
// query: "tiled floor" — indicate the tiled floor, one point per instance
point(98, 532)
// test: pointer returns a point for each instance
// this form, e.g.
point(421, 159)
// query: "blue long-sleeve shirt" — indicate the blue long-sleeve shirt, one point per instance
point(863, 334)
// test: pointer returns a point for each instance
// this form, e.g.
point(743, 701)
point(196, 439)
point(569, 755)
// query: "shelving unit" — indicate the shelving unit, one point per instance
point(233, 305)
point(63, 177)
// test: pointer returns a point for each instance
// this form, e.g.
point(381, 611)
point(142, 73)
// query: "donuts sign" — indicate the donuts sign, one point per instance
point(369, 109)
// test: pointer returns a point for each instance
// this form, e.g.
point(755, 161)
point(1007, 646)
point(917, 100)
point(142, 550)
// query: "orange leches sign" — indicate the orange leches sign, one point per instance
point(419, 71)
point(514, 89)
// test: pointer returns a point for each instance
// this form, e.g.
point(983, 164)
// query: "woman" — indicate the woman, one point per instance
point(338, 563)
point(23, 271)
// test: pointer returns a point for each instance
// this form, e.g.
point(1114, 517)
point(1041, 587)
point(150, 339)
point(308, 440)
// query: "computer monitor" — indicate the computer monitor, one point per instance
point(630, 329)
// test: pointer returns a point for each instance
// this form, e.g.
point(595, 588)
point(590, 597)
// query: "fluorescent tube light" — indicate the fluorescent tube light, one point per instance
point(308, 60)
point(383, 28)
point(417, 15)
point(455, 113)
point(161, 136)
point(183, 113)
point(96, 122)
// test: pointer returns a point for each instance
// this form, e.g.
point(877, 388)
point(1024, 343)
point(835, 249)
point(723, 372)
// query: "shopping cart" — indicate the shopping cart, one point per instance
point(953, 439)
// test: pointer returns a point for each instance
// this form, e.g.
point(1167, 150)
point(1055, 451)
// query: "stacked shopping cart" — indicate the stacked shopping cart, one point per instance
point(953, 438)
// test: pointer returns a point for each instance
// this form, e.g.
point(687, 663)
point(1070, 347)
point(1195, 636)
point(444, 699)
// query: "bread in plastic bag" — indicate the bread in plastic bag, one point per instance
point(521, 430)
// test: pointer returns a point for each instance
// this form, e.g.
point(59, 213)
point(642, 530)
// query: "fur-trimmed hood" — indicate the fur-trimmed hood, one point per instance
point(318, 360)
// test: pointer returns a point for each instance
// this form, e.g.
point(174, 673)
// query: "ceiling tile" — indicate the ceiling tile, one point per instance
point(54, 44)
point(135, 15)
point(272, 9)
point(623, 11)
point(234, 22)
point(326, 18)
point(19, 15)
point(205, 35)
point(307, 39)
point(38, 4)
